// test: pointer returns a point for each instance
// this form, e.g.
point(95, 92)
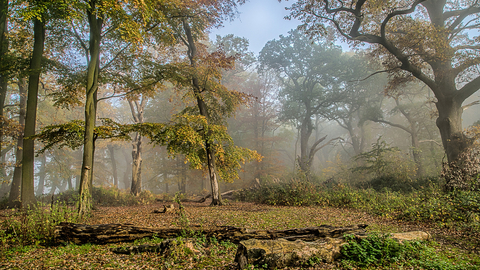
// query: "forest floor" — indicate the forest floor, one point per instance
point(220, 255)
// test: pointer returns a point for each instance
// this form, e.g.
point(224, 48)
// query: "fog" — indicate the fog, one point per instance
point(315, 107)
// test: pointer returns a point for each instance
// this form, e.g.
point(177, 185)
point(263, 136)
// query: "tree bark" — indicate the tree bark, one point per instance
point(449, 122)
point(111, 151)
point(306, 129)
point(182, 172)
point(28, 193)
point(42, 175)
point(70, 183)
point(14, 200)
point(137, 109)
point(3, 76)
point(136, 187)
point(93, 70)
point(128, 169)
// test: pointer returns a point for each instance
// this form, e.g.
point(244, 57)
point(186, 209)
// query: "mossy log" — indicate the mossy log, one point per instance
point(280, 253)
point(115, 233)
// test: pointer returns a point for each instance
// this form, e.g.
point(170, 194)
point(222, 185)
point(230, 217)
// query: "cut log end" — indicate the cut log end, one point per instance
point(166, 209)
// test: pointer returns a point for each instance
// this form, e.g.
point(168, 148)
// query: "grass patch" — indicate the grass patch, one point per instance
point(34, 225)
point(381, 251)
point(460, 209)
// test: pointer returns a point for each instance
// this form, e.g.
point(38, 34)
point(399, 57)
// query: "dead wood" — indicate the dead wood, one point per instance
point(280, 253)
point(225, 195)
point(115, 233)
point(166, 209)
point(166, 247)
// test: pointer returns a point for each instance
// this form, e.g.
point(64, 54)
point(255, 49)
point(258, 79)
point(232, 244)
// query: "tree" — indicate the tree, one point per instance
point(311, 76)
point(414, 112)
point(28, 160)
point(137, 107)
point(39, 12)
point(181, 135)
point(14, 198)
point(362, 93)
point(428, 40)
point(125, 20)
point(255, 125)
point(4, 4)
point(214, 102)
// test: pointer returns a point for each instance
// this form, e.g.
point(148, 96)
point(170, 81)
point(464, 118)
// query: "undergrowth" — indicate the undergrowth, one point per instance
point(381, 251)
point(34, 225)
point(109, 197)
point(430, 204)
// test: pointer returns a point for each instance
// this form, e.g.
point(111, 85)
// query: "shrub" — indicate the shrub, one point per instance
point(382, 251)
point(463, 174)
point(293, 193)
point(35, 225)
point(111, 196)
point(427, 204)
point(374, 250)
point(394, 183)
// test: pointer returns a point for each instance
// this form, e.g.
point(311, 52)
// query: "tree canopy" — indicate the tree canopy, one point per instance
point(428, 40)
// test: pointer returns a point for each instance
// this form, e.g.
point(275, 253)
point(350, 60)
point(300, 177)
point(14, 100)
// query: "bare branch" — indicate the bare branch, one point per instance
point(437, 143)
point(464, 107)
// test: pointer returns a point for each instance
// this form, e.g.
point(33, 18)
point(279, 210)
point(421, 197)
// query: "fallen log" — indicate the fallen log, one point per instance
point(280, 253)
point(166, 209)
point(225, 195)
point(115, 233)
point(166, 247)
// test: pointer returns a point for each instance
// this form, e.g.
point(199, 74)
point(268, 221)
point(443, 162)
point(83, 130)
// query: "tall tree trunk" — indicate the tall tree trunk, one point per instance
point(42, 174)
point(77, 182)
point(128, 170)
point(202, 106)
point(136, 187)
point(70, 183)
point(137, 108)
point(416, 152)
point(182, 171)
point(63, 185)
point(449, 122)
point(28, 195)
point(93, 70)
point(256, 137)
point(111, 151)
point(14, 201)
point(305, 132)
point(3, 76)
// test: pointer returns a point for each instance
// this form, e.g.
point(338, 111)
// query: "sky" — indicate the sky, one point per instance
point(259, 21)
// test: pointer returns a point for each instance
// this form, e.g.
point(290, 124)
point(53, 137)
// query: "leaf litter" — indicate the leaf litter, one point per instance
point(217, 255)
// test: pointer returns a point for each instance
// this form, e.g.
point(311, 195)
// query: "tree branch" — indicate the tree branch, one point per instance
point(317, 149)
point(115, 57)
point(391, 124)
point(468, 89)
